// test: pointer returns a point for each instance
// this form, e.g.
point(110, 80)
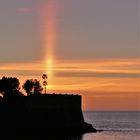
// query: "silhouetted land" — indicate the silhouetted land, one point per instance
point(39, 114)
point(43, 114)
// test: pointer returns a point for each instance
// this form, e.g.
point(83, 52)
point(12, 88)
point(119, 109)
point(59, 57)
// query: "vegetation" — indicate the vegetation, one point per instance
point(32, 86)
point(11, 86)
point(28, 86)
point(37, 87)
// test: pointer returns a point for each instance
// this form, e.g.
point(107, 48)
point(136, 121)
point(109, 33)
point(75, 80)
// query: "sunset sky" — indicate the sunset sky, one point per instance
point(87, 47)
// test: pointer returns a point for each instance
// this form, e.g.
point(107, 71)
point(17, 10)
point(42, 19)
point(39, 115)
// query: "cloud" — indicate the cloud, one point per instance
point(96, 74)
point(21, 72)
point(125, 68)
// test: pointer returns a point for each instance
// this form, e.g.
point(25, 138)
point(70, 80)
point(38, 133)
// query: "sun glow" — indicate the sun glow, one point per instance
point(49, 36)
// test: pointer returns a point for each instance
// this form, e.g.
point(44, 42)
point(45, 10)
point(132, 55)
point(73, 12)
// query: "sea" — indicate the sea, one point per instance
point(115, 125)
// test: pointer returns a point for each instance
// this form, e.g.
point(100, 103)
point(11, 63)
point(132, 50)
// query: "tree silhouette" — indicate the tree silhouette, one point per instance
point(28, 86)
point(9, 85)
point(37, 87)
point(32, 86)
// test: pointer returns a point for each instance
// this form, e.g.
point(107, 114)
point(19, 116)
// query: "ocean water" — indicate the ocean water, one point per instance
point(116, 125)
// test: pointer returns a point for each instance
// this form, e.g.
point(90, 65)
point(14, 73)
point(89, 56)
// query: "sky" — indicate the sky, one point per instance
point(87, 47)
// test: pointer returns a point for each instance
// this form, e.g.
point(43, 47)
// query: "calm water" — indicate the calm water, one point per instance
point(116, 126)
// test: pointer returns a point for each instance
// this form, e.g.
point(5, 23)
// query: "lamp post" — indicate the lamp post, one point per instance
point(44, 77)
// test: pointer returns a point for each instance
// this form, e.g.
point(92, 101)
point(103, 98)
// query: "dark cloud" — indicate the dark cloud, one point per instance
point(97, 74)
point(82, 74)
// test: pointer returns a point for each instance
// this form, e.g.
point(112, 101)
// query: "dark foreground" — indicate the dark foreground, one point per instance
point(43, 116)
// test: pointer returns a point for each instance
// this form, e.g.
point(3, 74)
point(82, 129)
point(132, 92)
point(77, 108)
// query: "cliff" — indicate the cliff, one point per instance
point(49, 113)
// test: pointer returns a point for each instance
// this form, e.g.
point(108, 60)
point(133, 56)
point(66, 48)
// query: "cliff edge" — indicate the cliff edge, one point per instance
point(46, 113)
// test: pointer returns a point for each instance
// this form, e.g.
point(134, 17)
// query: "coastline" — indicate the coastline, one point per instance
point(50, 113)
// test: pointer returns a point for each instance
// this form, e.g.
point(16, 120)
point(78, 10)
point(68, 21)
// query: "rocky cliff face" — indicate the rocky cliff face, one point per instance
point(50, 113)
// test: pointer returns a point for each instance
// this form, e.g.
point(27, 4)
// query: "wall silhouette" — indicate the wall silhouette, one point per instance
point(41, 114)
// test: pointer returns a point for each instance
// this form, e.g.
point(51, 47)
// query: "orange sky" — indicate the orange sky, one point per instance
point(105, 84)
point(48, 16)
point(91, 49)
